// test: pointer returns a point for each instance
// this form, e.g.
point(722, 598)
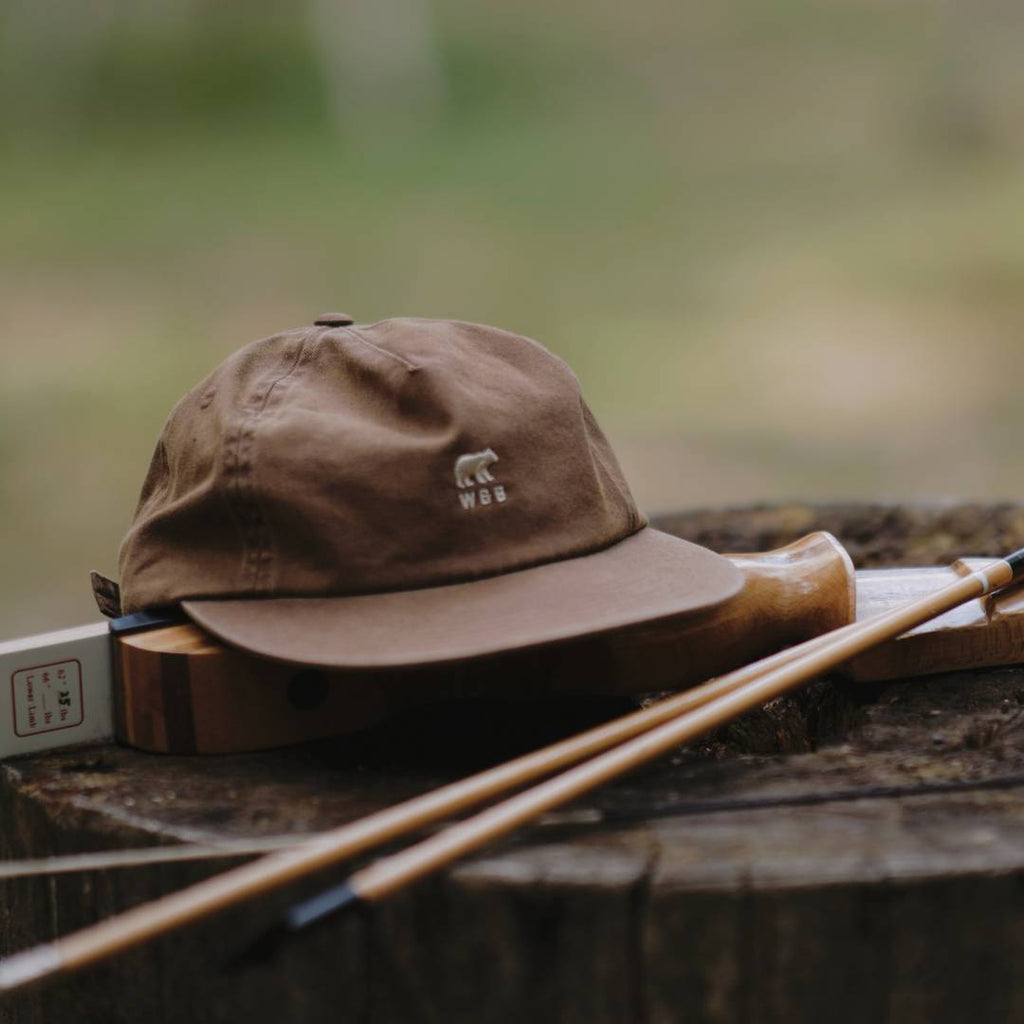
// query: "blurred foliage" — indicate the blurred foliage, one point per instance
point(781, 243)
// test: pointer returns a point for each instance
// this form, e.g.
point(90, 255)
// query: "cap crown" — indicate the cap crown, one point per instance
point(339, 460)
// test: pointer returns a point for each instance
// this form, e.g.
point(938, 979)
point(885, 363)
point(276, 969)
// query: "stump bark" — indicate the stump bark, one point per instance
point(847, 854)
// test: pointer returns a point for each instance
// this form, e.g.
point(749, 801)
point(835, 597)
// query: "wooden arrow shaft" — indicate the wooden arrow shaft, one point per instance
point(773, 680)
point(140, 924)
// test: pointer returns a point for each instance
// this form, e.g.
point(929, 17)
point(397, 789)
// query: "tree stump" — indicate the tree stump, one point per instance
point(846, 854)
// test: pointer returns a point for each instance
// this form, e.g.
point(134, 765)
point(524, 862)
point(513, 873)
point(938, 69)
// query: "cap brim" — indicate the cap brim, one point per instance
point(648, 576)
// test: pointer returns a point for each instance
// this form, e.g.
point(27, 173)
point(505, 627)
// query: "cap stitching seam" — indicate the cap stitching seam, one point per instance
point(411, 367)
point(531, 342)
point(255, 532)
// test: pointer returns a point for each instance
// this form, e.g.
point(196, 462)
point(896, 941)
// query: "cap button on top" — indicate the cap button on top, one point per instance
point(333, 320)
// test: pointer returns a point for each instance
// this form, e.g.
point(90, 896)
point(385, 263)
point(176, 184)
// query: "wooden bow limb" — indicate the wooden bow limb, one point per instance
point(653, 730)
point(179, 691)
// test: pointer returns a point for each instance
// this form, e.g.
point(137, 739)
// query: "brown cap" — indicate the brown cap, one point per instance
point(399, 493)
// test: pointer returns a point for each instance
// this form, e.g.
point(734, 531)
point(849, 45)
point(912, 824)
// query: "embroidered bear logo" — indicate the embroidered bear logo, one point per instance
point(475, 465)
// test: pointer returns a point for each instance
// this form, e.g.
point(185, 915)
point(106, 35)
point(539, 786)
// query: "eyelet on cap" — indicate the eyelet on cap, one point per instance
point(333, 320)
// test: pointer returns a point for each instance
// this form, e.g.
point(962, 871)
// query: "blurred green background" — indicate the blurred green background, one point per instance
point(780, 243)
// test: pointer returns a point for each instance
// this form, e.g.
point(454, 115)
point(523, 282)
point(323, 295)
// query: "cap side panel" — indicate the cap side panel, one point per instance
point(186, 536)
point(608, 470)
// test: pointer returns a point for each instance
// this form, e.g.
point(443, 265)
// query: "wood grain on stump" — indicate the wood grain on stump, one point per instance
point(847, 854)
